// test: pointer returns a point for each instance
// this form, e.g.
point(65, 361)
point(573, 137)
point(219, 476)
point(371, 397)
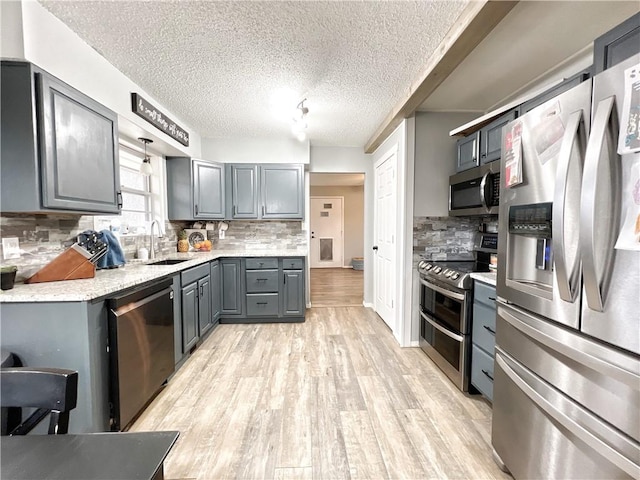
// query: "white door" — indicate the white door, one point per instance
point(326, 232)
point(385, 226)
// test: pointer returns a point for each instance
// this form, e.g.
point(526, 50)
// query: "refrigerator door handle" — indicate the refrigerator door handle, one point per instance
point(568, 179)
point(592, 438)
point(597, 260)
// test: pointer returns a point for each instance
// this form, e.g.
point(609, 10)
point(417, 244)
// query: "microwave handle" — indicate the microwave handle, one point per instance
point(483, 191)
point(567, 273)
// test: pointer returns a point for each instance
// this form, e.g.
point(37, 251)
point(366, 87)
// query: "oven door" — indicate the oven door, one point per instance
point(443, 314)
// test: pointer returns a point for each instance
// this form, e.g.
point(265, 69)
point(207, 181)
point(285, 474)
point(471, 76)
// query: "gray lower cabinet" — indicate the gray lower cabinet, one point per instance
point(483, 338)
point(59, 147)
point(231, 288)
point(269, 191)
point(196, 304)
point(268, 290)
point(72, 335)
point(216, 301)
point(195, 189)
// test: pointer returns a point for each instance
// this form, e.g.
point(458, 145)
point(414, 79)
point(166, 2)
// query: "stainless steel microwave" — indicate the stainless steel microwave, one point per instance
point(475, 191)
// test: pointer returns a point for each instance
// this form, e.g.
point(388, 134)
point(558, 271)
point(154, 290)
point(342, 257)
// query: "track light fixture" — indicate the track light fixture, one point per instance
point(300, 121)
point(145, 166)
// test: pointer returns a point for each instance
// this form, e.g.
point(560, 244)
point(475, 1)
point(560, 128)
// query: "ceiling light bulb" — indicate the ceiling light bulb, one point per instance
point(301, 136)
point(145, 167)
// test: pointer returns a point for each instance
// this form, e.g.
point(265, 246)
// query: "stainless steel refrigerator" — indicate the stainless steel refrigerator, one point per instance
point(567, 373)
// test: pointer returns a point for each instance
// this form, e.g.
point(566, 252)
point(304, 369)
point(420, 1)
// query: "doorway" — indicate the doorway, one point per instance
point(336, 227)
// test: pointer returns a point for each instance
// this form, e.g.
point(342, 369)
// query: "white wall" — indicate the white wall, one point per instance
point(54, 47)
point(11, 43)
point(255, 150)
point(353, 217)
point(435, 160)
point(352, 160)
point(403, 138)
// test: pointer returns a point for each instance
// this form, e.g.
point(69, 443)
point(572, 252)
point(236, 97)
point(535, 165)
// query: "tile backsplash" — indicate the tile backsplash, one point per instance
point(43, 237)
point(447, 238)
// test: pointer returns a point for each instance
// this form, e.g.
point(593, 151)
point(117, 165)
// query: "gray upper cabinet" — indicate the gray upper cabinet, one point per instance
point(269, 191)
point(468, 152)
point(195, 189)
point(208, 189)
point(617, 44)
point(59, 147)
point(491, 138)
point(282, 191)
point(244, 191)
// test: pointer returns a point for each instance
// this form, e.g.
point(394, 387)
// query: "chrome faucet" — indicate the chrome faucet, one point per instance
point(152, 252)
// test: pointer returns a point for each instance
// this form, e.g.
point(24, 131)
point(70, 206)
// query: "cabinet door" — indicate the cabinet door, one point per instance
point(231, 287)
point(204, 304)
point(617, 44)
point(282, 191)
point(189, 316)
point(244, 191)
point(491, 138)
point(216, 305)
point(79, 150)
point(208, 190)
point(293, 293)
point(468, 150)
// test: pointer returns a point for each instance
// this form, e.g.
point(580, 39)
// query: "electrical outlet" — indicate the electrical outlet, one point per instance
point(10, 247)
point(221, 234)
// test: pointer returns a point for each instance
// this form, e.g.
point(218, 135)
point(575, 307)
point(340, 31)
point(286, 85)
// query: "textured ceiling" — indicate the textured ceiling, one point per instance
point(217, 65)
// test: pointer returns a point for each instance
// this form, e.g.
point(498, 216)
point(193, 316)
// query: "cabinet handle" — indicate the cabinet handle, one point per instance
point(285, 278)
point(235, 209)
point(490, 330)
point(492, 298)
point(261, 303)
point(487, 374)
point(119, 196)
point(261, 279)
point(196, 209)
point(263, 210)
point(201, 290)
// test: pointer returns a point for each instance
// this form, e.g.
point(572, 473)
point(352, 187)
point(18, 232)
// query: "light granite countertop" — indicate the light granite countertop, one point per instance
point(107, 282)
point(486, 277)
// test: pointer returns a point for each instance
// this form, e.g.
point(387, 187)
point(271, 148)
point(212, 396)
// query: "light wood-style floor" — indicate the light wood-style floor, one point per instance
point(334, 397)
point(336, 287)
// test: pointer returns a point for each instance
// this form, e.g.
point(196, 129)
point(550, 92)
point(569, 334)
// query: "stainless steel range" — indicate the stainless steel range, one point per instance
point(446, 296)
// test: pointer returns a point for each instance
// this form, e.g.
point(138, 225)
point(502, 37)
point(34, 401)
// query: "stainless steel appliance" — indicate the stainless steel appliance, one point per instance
point(446, 296)
point(567, 377)
point(140, 348)
point(475, 191)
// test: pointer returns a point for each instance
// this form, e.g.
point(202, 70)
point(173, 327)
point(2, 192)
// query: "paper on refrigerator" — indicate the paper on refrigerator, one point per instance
point(629, 138)
point(629, 237)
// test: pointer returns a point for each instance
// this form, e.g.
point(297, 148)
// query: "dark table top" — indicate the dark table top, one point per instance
point(91, 456)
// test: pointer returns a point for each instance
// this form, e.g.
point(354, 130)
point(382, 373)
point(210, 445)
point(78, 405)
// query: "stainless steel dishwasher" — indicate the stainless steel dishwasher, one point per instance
point(141, 356)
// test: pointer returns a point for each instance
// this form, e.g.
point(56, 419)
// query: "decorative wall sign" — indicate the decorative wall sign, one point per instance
point(151, 114)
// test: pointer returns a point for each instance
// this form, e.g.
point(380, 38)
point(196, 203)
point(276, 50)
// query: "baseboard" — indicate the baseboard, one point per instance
point(367, 305)
point(415, 343)
point(347, 266)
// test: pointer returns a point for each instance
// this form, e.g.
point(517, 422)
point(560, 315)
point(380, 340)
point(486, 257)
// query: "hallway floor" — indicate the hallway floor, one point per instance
point(336, 287)
point(333, 397)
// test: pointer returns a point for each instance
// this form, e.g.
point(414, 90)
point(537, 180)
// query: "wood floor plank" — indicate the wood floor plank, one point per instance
point(349, 394)
point(363, 451)
point(300, 473)
point(336, 287)
point(329, 452)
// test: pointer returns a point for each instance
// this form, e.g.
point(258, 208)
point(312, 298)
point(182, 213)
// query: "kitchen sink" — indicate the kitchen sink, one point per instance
point(170, 261)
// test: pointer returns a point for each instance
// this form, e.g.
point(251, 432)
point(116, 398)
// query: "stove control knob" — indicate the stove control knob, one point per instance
point(420, 264)
point(437, 270)
point(428, 267)
point(455, 276)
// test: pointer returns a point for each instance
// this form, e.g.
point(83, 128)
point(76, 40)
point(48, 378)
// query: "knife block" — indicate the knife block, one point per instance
point(69, 265)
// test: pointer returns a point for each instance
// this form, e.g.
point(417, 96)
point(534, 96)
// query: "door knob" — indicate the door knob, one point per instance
point(375, 248)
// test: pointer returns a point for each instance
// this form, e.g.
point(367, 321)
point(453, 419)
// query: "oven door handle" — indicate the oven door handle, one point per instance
point(442, 329)
point(446, 292)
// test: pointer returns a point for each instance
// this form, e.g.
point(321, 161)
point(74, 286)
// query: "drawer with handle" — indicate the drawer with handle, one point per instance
point(261, 263)
point(292, 263)
point(262, 305)
point(262, 281)
point(482, 371)
point(484, 327)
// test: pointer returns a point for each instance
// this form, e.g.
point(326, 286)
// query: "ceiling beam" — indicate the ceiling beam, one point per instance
point(476, 21)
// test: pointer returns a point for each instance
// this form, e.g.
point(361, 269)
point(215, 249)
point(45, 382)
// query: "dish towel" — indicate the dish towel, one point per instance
point(114, 256)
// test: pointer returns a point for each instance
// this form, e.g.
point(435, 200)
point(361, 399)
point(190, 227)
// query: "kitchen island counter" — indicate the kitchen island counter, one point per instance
point(106, 282)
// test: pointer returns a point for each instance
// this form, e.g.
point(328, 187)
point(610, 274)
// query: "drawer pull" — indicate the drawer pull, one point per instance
point(487, 374)
point(261, 279)
point(261, 303)
point(492, 298)
point(493, 332)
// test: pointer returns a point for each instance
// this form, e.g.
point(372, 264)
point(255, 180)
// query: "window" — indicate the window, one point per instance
point(138, 201)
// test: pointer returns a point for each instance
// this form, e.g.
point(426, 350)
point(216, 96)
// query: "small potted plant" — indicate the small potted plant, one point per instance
point(7, 276)
point(183, 243)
